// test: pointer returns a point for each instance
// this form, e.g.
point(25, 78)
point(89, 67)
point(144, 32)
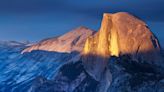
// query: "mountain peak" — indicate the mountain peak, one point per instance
point(82, 27)
point(71, 41)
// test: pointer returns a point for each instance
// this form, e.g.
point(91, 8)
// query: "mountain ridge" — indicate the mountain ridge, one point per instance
point(71, 41)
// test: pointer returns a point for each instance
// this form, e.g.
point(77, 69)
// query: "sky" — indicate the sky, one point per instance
point(35, 20)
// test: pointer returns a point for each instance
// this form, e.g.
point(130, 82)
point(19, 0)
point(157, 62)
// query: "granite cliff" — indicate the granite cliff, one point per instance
point(120, 34)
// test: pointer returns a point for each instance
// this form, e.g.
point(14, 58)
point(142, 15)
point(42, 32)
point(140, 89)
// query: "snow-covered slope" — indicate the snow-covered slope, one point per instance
point(18, 69)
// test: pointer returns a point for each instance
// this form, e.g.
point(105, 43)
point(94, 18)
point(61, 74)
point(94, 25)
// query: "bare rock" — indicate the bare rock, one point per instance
point(71, 41)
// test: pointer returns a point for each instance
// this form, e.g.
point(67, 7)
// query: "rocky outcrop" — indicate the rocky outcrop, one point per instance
point(71, 41)
point(120, 34)
point(71, 77)
point(130, 76)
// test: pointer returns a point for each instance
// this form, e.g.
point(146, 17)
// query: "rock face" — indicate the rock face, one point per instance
point(71, 41)
point(120, 34)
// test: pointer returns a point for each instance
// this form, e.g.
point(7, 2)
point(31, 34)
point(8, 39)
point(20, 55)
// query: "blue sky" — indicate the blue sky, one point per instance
point(37, 19)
